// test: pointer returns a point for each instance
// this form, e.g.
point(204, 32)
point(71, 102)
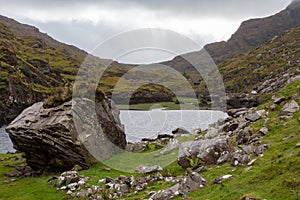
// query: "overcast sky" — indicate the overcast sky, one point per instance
point(88, 23)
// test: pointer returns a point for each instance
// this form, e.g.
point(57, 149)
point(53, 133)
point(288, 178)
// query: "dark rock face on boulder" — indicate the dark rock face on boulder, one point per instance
point(52, 142)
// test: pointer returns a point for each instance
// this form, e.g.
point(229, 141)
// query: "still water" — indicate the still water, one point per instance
point(148, 124)
point(5, 142)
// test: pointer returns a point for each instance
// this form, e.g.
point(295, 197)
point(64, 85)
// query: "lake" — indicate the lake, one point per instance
point(5, 142)
point(148, 124)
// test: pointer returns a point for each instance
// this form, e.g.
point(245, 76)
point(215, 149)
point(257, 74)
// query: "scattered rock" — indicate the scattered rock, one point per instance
point(289, 108)
point(288, 137)
point(237, 112)
point(66, 178)
point(173, 144)
point(264, 130)
point(253, 117)
point(220, 179)
point(223, 158)
point(239, 158)
point(230, 127)
point(142, 169)
point(278, 99)
point(260, 149)
point(259, 57)
point(298, 144)
point(180, 131)
point(200, 169)
point(247, 169)
point(191, 182)
point(272, 107)
point(166, 193)
point(251, 162)
point(247, 149)
point(243, 136)
point(137, 146)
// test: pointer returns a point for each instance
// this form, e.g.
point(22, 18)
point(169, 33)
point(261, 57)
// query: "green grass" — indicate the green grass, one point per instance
point(25, 188)
point(128, 161)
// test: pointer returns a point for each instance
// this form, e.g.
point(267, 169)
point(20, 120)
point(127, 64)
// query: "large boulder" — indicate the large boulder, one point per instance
point(78, 132)
point(207, 150)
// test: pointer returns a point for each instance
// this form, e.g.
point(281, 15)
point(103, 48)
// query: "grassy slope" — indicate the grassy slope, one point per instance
point(276, 175)
point(26, 188)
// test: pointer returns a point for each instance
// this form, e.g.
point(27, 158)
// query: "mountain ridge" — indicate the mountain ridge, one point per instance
point(254, 32)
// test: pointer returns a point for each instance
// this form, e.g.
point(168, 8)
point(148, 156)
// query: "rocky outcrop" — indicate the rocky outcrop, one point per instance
point(228, 140)
point(207, 150)
point(56, 139)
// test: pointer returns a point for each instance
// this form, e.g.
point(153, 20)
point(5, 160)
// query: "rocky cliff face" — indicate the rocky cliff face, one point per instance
point(52, 141)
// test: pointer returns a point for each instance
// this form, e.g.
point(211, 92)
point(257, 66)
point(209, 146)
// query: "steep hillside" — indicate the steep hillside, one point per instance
point(254, 32)
point(274, 62)
point(30, 70)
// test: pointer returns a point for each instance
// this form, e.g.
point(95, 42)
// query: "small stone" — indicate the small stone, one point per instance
point(220, 179)
point(76, 168)
point(253, 117)
point(251, 162)
point(142, 169)
point(278, 99)
point(286, 138)
point(223, 158)
point(180, 131)
point(200, 169)
point(101, 180)
point(298, 144)
point(247, 169)
point(272, 107)
point(289, 108)
point(81, 183)
point(69, 192)
point(63, 188)
point(260, 149)
point(173, 144)
point(259, 57)
point(264, 130)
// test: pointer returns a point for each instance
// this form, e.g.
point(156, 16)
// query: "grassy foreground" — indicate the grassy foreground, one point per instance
point(276, 175)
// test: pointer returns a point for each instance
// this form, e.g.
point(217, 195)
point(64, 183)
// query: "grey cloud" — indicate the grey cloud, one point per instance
point(86, 34)
point(231, 9)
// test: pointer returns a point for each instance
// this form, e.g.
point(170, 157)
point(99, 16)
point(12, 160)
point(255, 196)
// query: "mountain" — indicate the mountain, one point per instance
point(250, 35)
point(254, 32)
